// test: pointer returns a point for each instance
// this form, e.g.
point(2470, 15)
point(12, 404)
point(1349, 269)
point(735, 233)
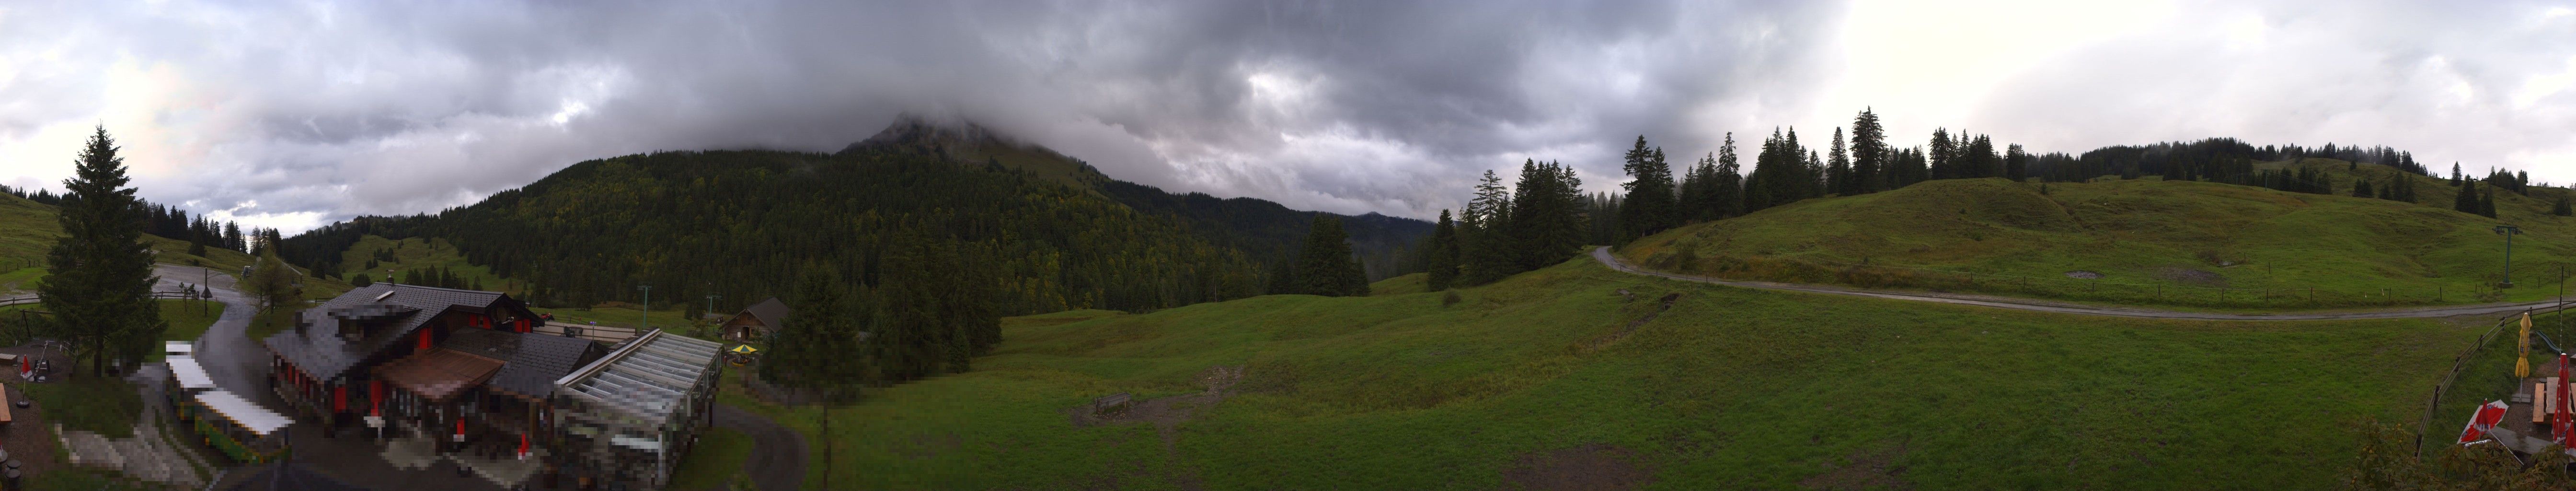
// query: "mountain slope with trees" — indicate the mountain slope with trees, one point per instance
point(745, 224)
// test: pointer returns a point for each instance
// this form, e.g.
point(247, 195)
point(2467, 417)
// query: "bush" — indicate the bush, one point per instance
point(1449, 298)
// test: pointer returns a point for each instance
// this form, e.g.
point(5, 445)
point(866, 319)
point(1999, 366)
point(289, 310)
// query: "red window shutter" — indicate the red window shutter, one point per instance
point(339, 398)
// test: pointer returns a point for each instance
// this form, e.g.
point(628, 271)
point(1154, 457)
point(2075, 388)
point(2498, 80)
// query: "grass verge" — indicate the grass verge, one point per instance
point(715, 460)
point(103, 405)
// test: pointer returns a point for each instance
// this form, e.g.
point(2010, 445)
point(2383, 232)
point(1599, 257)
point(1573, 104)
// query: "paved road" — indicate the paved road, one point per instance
point(777, 460)
point(237, 363)
point(1603, 255)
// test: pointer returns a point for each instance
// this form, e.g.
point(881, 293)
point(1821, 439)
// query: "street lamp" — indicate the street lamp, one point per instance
point(2508, 231)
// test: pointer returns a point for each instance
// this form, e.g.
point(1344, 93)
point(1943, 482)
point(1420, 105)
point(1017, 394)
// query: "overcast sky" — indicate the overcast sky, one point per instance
point(293, 115)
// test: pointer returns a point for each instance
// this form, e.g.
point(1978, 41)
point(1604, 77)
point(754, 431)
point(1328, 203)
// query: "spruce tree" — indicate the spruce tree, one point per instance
point(1698, 191)
point(1485, 249)
point(1326, 267)
point(1726, 189)
point(2017, 163)
point(1838, 173)
point(1649, 206)
point(2486, 203)
point(99, 272)
point(819, 348)
point(1869, 152)
point(1443, 256)
point(1547, 221)
point(2562, 209)
point(2466, 201)
point(2361, 187)
point(1940, 153)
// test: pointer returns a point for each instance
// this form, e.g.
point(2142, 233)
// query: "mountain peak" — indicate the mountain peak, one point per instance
point(966, 142)
point(916, 128)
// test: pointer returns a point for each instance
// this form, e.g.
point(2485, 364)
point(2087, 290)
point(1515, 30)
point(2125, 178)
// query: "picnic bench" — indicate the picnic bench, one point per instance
point(2542, 401)
point(1110, 403)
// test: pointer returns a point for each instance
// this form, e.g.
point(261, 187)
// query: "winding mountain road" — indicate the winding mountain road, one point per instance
point(1603, 255)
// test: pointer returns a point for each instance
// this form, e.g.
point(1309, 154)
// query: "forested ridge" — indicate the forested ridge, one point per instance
point(747, 224)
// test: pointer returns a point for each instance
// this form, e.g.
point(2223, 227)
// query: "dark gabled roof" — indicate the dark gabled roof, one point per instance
point(317, 348)
point(771, 312)
point(534, 360)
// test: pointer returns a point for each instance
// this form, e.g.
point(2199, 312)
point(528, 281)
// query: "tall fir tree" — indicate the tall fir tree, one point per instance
point(1547, 218)
point(1443, 255)
point(1485, 247)
point(1838, 168)
point(1326, 266)
point(2466, 201)
point(819, 348)
point(1698, 191)
point(99, 276)
point(2017, 163)
point(2562, 208)
point(1728, 187)
point(1649, 206)
point(1942, 151)
point(1869, 152)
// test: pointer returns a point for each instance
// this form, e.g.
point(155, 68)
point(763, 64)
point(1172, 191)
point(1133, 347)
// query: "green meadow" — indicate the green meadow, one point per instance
point(28, 230)
point(2147, 241)
point(1541, 377)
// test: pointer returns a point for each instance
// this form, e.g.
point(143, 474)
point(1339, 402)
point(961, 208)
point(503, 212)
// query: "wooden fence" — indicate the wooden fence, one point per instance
point(32, 299)
point(2461, 363)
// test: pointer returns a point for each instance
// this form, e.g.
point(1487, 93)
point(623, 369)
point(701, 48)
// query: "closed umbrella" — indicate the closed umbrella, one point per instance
point(2522, 363)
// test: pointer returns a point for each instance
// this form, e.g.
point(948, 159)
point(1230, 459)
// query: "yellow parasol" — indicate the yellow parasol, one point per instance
point(2522, 364)
point(747, 349)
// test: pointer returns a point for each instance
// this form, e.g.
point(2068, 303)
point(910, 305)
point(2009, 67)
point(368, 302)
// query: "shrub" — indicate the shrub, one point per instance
point(1449, 298)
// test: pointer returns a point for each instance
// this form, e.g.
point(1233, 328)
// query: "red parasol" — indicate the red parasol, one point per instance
point(2560, 424)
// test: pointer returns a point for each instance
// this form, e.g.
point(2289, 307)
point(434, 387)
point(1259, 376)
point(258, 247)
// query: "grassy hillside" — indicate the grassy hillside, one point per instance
point(1541, 377)
point(28, 229)
point(416, 254)
point(2150, 241)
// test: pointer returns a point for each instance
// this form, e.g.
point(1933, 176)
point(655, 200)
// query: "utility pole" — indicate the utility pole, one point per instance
point(2508, 231)
point(648, 308)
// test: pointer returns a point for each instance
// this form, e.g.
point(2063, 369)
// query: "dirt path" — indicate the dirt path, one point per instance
point(1603, 255)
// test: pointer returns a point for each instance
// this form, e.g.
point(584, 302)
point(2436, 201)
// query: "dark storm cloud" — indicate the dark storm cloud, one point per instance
point(320, 111)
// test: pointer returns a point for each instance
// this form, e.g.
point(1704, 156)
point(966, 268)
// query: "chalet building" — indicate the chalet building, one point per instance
point(757, 321)
point(466, 369)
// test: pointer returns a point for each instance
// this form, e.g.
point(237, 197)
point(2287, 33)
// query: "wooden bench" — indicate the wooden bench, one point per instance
point(1110, 403)
point(2542, 401)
